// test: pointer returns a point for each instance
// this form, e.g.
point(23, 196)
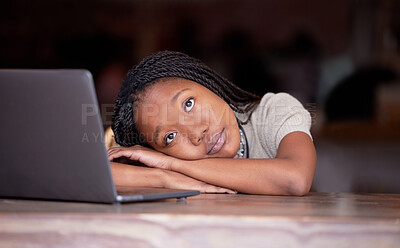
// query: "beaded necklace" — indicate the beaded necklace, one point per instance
point(243, 151)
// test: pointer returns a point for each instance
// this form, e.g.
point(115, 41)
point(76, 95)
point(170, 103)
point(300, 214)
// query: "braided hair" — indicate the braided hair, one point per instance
point(168, 64)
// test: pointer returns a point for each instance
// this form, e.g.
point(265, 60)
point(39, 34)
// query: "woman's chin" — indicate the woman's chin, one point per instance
point(229, 152)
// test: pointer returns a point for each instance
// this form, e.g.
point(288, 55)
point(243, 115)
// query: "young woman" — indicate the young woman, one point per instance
point(193, 129)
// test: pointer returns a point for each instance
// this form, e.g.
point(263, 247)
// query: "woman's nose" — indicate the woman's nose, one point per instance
point(197, 133)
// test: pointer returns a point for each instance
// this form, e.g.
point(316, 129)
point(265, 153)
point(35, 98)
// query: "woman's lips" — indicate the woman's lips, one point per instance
point(216, 143)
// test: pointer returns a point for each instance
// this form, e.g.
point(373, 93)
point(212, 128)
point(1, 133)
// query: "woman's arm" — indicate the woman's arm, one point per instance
point(129, 175)
point(290, 173)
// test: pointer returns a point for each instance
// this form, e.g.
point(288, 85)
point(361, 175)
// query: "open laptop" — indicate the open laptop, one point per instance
point(51, 141)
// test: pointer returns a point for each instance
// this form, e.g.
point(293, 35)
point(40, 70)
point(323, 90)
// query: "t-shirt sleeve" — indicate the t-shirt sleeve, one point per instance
point(278, 115)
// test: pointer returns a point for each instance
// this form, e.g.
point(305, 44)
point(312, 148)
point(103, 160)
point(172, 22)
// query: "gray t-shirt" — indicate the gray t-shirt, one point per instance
point(276, 116)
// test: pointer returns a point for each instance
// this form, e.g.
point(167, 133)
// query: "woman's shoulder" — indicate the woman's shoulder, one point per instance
point(269, 103)
point(278, 98)
point(277, 115)
point(277, 103)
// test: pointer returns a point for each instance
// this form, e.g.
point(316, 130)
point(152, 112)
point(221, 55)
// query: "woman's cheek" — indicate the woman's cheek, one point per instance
point(187, 153)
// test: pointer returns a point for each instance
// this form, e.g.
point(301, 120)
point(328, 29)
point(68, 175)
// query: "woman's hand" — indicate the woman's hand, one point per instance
point(152, 158)
point(142, 155)
point(175, 180)
point(128, 175)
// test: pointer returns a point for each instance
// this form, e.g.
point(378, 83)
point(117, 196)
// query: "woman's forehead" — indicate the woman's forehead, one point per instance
point(167, 89)
point(172, 83)
point(153, 104)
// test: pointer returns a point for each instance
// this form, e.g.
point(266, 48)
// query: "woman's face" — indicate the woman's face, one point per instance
point(186, 120)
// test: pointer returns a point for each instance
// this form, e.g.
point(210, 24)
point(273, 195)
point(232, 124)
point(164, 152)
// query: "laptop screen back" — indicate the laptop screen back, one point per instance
point(51, 137)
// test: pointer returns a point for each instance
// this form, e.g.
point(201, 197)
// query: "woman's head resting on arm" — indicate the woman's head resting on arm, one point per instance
point(177, 105)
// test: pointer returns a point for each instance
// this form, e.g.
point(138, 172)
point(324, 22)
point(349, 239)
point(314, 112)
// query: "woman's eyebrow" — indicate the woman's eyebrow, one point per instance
point(173, 100)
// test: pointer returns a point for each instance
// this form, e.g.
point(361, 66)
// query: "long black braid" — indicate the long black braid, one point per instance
point(168, 64)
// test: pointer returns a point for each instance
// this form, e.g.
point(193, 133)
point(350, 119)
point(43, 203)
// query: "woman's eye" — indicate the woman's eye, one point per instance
point(169, 138)
point(189, 104)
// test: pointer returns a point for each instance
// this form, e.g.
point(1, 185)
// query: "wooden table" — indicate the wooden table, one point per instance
point(207, 220)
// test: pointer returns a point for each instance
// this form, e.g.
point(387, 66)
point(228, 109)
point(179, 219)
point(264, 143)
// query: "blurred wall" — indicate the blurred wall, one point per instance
point(340, 58)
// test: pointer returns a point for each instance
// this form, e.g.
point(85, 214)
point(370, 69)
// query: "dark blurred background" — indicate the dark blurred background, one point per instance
point(340, 58)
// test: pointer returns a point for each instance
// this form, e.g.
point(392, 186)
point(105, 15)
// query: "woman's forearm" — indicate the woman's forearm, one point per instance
point(291, 173)
point(254, 176)
point(129, 175)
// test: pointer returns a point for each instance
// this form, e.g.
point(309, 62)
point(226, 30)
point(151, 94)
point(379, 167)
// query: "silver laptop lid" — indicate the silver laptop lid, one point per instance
point(51, 143)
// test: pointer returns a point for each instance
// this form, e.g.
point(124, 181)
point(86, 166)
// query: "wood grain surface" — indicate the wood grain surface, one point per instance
point(207, 220)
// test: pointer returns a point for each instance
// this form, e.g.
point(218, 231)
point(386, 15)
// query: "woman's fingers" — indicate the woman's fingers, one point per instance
point(208, 188)
point(146, 156)
point(117, 152)
point(176, 180)
point(155, 159)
